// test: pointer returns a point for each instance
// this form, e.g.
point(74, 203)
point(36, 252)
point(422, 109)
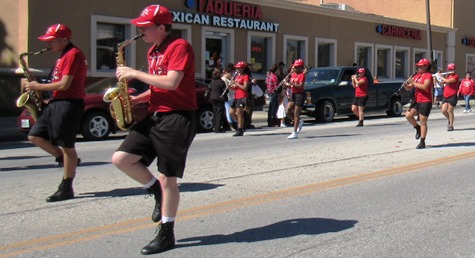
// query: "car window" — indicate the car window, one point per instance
point(321, 77)
point(346, 77)
point(102, 85)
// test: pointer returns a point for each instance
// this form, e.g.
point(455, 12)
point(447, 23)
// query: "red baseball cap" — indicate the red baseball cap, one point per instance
point(240, 64)
point(153, 14)
point(56, 31)
point(423, 62)
point(298, 62)
point(361, 70)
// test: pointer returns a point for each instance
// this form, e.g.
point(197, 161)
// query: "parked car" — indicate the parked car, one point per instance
point(329, 91)
point(97, 123)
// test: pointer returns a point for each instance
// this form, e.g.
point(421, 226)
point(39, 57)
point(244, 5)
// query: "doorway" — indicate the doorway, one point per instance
point(216, 52)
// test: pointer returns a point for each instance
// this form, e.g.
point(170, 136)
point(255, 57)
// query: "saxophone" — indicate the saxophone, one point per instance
point(32, 100)
point(120, 107)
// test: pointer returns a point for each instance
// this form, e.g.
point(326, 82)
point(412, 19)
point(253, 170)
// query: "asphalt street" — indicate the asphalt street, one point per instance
point(337, 191)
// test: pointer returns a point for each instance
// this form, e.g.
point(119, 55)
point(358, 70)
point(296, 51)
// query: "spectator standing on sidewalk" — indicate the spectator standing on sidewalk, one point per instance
point(449, 101)
point(217, 98)
point(467, 89)
point(271, 84)
point(228, 74)
point(438, 89)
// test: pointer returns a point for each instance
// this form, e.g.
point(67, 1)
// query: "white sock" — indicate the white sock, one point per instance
point(149, 184)
point(167, 219)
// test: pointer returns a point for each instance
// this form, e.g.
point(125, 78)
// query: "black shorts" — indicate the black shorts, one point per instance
point(360, 101)
point(165, 136)
point(297, 98)
point(238, 103)
point(452, 100)
point(60, 122)
point(423, 108)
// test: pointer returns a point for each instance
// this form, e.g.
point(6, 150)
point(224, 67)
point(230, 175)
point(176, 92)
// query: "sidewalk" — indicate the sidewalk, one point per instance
point(10, 132)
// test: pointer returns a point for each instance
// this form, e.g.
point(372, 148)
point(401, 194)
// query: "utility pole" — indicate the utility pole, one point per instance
point(429, 35)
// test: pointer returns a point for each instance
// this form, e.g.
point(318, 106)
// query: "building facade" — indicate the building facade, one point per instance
point(259, 32)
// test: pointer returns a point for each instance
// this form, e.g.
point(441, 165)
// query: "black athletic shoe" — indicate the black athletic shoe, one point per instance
point(360, 123)
point(156, 191)
point(239, 132)
point(418, 132)
point(65, 191)
point(164, 241)
point(421, 145)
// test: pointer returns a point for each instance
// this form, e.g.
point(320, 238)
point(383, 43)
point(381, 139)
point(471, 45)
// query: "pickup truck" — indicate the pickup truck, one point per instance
point(329, 92)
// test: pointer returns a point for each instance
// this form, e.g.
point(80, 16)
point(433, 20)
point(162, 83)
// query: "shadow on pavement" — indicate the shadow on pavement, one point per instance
point(121, 192)
point(455, 144)
point(16, 145)
point(283, 229)
point(83, 164)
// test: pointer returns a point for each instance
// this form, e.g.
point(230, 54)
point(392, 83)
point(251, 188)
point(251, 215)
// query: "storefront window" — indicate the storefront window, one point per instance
point(418, 55)
point(106, 33)
point(383, 62)
point(108, 36)
point(401, 63)
point(295, 48)
point(326, 55)
point(470, 64)
point(259, 55)
point(364, 55)
point(438, 62)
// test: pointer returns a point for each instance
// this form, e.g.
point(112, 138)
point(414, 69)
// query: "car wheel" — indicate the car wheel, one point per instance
point(395, 107)
point(325, 111)
point(95, 126)
point(205, 119)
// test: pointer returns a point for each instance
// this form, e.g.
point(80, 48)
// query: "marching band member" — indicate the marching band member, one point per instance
point(55, 130)
point(168, 131)
point(422, 83)
point(240, 86)
point(360, 84)
point(449, 101)
point(296, 84)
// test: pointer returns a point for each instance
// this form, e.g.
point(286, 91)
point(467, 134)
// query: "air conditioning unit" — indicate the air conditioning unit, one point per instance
point(343, 7)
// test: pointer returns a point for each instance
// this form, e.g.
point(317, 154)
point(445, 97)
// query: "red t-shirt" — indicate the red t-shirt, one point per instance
point(467, 87)
point(451, 89)
point(72, 62)
point(423, 96)
point(297, 78)
point(174, 54)
point(362, 90)
point(241, 79)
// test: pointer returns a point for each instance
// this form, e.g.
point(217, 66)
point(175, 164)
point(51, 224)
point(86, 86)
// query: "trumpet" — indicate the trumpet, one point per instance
point(285, 80)
point(442, 74)
point(227, 87)
point(438, 76)
point(405, 83)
